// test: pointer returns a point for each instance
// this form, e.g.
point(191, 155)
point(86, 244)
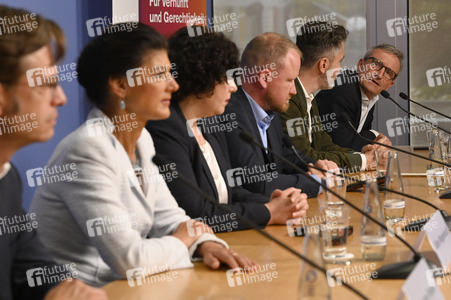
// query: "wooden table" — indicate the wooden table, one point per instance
point(201, 281)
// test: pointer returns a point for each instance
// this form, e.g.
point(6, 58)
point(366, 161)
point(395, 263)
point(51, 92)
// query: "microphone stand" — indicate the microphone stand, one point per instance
point(347, 120)
point(413, 226)
point(405, 97)
point(387, 95)
point(444, 195)
point(393, 271)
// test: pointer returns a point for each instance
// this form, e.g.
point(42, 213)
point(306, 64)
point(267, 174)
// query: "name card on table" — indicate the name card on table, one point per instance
point(439, 237)
point(420, 285)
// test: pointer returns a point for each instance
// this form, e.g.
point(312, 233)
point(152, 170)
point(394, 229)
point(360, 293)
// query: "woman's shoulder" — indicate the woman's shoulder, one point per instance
point(88, 141)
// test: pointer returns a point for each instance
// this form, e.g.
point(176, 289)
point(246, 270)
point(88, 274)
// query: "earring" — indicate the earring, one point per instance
point(122, 104)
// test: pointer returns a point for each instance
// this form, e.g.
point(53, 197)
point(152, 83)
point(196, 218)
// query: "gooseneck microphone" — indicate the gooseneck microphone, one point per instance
point(387, 95)
point(392, 271)
point(405, 97)
point(161, 160)
point(346, 118)
point(413, 226)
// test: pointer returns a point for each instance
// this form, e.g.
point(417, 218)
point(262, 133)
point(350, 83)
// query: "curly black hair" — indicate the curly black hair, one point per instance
point(201, 61)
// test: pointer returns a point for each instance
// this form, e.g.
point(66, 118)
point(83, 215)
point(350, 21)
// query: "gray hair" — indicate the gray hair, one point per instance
point(389, 49)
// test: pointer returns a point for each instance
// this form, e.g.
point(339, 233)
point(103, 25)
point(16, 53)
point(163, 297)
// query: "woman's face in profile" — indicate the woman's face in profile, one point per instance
point(150, 97)
point(220, 97)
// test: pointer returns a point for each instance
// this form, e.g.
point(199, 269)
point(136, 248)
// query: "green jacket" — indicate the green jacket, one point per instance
point(295, 124)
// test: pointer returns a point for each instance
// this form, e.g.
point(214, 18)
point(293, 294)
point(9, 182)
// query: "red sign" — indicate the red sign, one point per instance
point(167, 16)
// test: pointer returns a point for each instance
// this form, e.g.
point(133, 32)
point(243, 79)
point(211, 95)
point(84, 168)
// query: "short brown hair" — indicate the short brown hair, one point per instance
point(267, 48)
point(319, 39)
point(14, 46)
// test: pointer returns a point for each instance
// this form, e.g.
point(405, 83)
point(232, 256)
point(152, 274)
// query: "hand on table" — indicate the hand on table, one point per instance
point(287, 204)
point(73, 289)
point(369, 152)
point(214, 254)
point(327, 165)
point(383, 139)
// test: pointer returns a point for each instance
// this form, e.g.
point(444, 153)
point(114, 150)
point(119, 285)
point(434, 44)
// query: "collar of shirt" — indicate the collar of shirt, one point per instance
point(262, 117)
point(5, 169)
point(369, 102)
point(309, 98)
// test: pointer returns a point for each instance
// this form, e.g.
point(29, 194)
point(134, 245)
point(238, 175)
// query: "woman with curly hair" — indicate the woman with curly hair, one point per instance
point(193, 140)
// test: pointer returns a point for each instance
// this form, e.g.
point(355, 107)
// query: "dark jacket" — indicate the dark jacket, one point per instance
point(346, 97)
point(20, 248)
point(172, 140)
point(243, 154)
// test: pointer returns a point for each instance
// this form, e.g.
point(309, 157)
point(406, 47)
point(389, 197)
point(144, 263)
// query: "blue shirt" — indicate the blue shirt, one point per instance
point(264, 119)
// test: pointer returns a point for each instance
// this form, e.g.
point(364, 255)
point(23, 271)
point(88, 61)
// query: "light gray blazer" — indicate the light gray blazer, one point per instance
point(99, 217)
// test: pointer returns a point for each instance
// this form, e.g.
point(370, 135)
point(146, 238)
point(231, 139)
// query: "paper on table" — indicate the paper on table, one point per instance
point(420, 285)
point(439, 237)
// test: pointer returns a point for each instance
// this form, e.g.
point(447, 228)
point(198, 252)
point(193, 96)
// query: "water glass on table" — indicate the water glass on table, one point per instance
point(394, 204)
point(336, 184)
point(435, 172)
point(334, 231)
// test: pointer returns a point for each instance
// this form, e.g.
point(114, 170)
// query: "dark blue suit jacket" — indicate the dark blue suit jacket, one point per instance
point(345, 97)
point(20, 250)
point(243, 154)
point(172, 140)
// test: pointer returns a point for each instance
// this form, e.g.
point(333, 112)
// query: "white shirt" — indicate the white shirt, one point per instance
point(367, 104)
point(212, 163)
point(309, 99)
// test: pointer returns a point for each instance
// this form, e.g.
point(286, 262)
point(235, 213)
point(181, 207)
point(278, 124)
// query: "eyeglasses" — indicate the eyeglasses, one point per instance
point(377, 65)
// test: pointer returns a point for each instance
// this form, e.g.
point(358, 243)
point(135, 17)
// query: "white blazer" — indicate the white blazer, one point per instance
point(92, 211)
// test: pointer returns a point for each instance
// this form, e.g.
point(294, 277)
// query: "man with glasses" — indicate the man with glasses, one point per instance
point(356, 93)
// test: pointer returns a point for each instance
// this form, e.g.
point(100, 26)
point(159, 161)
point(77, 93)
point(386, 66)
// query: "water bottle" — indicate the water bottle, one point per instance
point(394, 204)
point(435, 172)
point(314, 284)
point(372, 237)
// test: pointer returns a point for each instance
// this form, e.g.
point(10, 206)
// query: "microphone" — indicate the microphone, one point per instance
point(346, 118)
point(161, 160)
point(413, 226)
point(392, 271)
point(387, 95)
point(405, 97)
point(289, 144)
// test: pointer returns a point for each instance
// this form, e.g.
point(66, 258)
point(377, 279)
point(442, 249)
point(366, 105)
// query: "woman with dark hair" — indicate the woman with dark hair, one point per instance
point(193, 139)
point(99, 216)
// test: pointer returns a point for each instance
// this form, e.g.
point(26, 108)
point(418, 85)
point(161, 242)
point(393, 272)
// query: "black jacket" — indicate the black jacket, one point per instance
point(243, 154)
point(346, 97)
point(172, 140)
